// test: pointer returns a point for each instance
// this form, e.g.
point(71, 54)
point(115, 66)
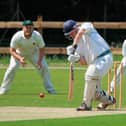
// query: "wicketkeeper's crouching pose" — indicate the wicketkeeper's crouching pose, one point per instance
point(94, 51)
point(27, 44)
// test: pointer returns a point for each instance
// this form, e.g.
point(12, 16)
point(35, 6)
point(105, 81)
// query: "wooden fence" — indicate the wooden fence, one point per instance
point(60, 50)
point(48, 50)
point(59, 24)
point(40, 25)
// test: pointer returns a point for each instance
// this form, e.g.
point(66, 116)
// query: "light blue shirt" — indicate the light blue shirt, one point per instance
point(91, 43)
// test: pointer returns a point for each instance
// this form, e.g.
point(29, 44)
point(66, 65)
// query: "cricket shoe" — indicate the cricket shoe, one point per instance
point(103, 106)
point(84, 107)
point(52, 92)
point(2, 91)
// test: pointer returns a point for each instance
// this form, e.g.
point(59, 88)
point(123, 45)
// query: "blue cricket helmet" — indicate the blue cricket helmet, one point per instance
point(68, 26)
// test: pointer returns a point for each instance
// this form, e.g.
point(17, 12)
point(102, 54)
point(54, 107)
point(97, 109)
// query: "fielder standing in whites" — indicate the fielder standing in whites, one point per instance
point(27, 44)
point(123, 62)
point(94, 51)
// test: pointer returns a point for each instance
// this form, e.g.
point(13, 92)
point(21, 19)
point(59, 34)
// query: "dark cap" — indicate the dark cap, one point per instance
point(27, 22)
point(69, 25)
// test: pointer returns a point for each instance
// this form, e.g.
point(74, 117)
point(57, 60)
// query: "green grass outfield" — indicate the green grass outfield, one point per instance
point(25, 92)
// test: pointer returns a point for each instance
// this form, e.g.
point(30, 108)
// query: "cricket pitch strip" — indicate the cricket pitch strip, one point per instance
point(14, 113)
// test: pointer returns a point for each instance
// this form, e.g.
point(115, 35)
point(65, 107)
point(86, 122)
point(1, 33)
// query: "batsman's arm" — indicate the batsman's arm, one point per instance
point(78, 36)
point(85, 28)
point(83, 61)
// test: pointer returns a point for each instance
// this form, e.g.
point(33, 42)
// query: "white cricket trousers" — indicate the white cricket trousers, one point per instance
point(93, 76)
point(13, 66)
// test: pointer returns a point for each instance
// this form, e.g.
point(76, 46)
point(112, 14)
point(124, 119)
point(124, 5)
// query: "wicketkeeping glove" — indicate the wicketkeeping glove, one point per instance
point(73, 58)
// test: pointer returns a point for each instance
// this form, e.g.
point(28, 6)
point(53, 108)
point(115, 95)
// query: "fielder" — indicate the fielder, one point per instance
point(27, 44)
point(94, 51)
point(123, 62)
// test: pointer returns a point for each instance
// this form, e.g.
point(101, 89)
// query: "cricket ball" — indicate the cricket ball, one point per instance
point(42, 95)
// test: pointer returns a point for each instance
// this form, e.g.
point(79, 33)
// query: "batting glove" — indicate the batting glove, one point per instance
point(73, 58)
point(70, 49)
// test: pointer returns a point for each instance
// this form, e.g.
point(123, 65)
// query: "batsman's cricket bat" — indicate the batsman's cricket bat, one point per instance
point(71, 82)
point(71, 78)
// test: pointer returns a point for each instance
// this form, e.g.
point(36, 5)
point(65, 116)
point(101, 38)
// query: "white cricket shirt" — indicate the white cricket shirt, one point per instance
point(91, 43)
point(26, 46)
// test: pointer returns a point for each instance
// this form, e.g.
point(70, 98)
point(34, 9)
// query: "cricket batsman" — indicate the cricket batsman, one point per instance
point(93, 50)
point(27, 44)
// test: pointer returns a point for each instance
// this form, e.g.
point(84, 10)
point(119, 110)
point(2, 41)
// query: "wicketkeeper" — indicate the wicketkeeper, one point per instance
point(94, 51)
point(27, 44)
point(123, 62)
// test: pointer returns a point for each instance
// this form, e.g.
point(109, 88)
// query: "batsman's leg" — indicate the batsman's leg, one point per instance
point(91, 81)
point(105, 99)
